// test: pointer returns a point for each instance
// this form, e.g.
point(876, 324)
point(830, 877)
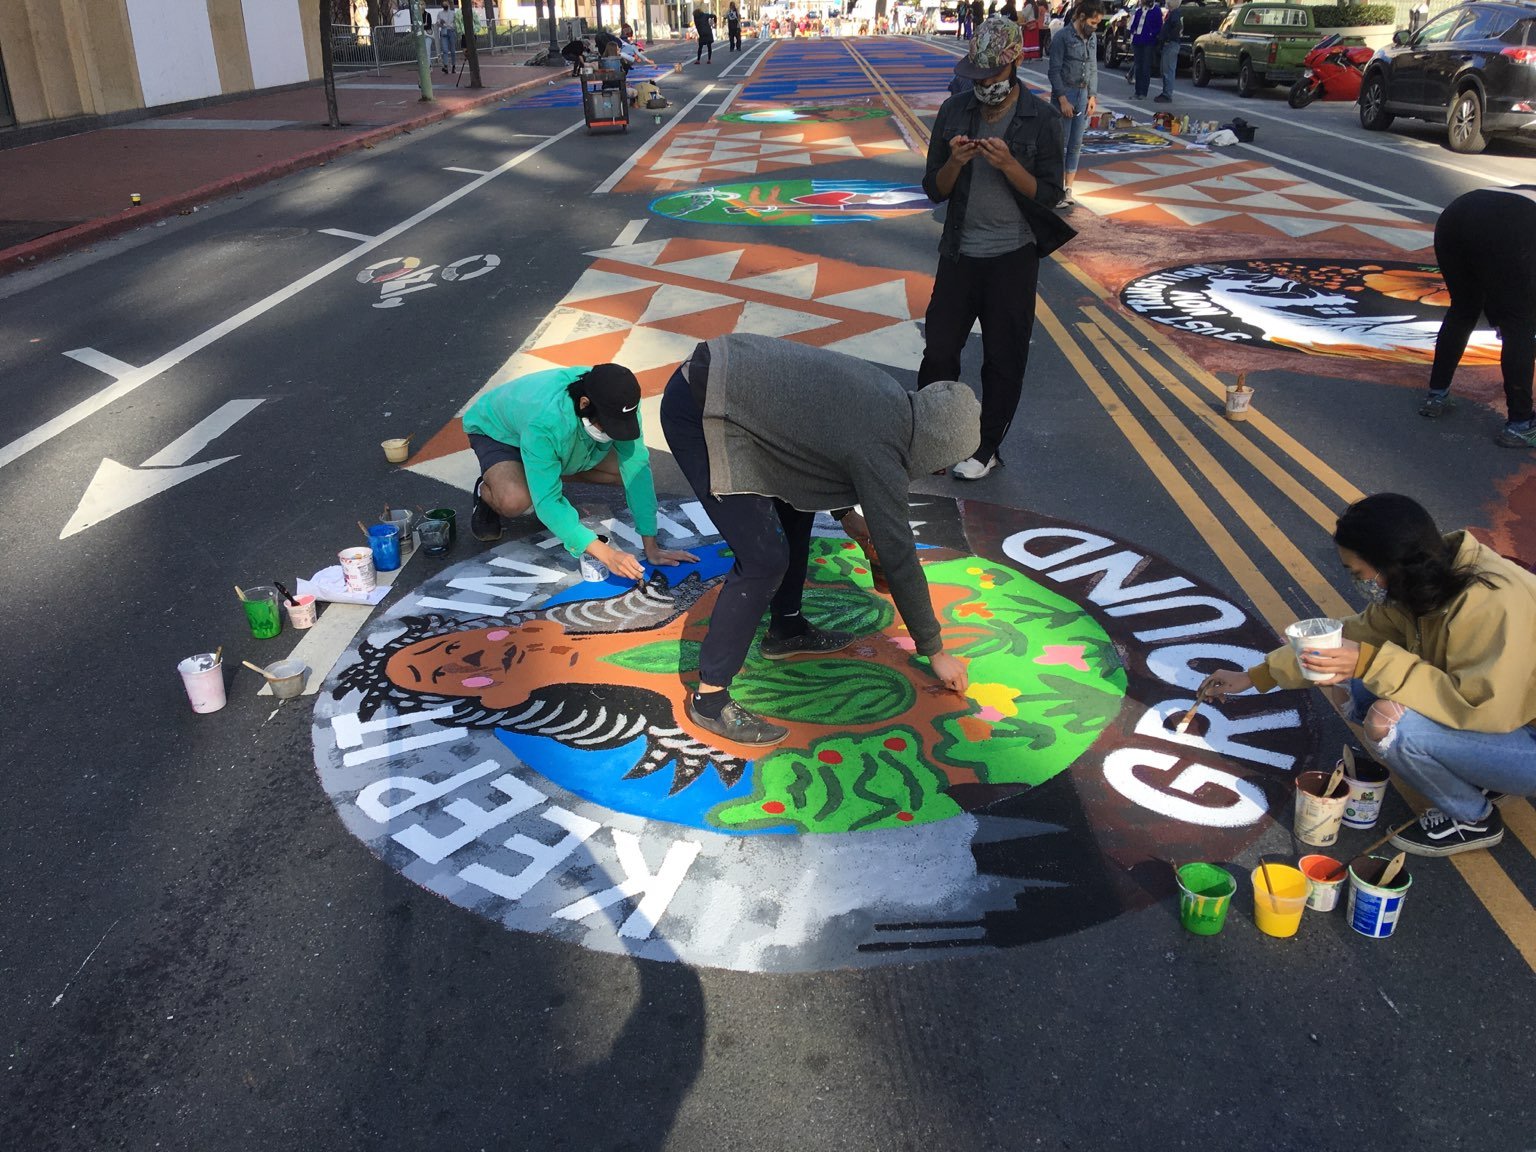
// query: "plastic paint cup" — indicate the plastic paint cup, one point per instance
point(286, 678)
point(1325, 876)
point(261, 612)
point(449, 515)
point(1239, 402)
point(1374, 911)
point(1317, 816)
point(401, 519)
point(1319, 632)
point(203, 678)
point(435, 535)
point(303, 614)
point(1205, 894)
point(357, 571)
point(396, 451)
point(1367, 789)
point(384, 539)
point(1278, 913)
point(592, 570)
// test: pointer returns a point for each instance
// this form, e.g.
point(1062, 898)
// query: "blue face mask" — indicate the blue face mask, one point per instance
point(1370, 591)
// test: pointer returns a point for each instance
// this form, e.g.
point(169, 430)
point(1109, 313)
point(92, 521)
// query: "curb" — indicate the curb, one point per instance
point(104, 227)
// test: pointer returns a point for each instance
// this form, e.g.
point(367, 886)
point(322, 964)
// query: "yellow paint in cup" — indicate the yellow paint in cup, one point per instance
point(1278, 913)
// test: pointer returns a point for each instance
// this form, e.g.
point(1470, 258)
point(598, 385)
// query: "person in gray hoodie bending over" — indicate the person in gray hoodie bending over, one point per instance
point(760, 429)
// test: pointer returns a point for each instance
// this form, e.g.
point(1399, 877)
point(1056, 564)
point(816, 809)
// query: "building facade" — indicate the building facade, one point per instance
point(63, 60)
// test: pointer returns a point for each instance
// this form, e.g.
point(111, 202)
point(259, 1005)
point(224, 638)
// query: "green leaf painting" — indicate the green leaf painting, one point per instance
point(845, 693)
point(660, 658)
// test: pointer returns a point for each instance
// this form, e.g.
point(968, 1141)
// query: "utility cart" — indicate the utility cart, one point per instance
point(604, 95)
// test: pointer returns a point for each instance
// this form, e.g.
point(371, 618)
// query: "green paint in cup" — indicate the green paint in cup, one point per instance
point(1205, 894)
point(261, 612)
point(449, 515)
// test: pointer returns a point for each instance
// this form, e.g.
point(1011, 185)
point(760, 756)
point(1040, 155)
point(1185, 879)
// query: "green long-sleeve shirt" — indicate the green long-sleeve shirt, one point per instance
point(535, 415)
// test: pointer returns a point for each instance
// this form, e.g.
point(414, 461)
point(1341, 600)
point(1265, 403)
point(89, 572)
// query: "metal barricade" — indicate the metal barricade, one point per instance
point(356, 49)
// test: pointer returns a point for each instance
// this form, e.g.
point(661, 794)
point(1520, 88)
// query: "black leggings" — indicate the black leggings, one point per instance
point(1485, 243)
point(1000, 292)
point(770, 540)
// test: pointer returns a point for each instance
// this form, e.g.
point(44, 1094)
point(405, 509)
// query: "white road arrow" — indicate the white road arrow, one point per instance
point(116, 487)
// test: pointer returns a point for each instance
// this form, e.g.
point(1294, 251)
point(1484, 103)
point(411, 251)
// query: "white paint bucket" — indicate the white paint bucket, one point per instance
point(1374, 911)
point(1367, 789)
point(1239, 401)
point(397, 451)
point(203, 678)
point(357, 571)
point(1319, 632)
point(302, 614)
point(1318, 817)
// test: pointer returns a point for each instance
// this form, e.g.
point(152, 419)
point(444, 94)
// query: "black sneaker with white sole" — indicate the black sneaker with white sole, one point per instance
point(1437, 834)
point(484, 521)
point(812, 642)
point(737, 725)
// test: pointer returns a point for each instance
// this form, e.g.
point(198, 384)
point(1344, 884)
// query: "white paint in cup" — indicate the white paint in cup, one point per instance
point(203, 678)
point(1319, 632)
point(357, 571)
point(286, 678)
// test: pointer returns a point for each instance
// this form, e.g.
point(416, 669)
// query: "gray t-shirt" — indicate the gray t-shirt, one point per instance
point(994, 222)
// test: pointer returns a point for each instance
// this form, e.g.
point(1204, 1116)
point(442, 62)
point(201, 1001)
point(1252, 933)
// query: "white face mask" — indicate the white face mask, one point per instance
point(595, 432)
point(992, 94)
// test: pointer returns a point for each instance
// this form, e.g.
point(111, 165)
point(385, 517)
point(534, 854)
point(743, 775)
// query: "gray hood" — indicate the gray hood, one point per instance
point(946, 427)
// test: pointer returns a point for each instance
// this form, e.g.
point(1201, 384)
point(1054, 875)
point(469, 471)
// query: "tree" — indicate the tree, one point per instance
point(471, 52)
point(328, 64)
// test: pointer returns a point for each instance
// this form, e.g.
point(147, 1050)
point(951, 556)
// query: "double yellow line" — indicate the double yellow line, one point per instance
point(908, 122)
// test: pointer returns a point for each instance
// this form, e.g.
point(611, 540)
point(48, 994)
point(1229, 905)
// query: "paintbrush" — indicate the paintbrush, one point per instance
point(1188, 718)
point(287, 595)
point(239, 593)
point(363, 528)
point(1268, 882)
point(1375, 844)
point(1389, 873)
point(258, 668)
point(218, 655)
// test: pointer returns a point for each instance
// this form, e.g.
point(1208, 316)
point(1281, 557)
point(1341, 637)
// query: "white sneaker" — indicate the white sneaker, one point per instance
point(1066, 200)
point(974, 469)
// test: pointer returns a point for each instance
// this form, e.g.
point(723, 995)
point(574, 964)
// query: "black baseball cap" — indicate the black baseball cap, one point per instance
point(615, 396)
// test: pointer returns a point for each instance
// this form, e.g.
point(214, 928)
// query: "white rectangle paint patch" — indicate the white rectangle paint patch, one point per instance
point(275, 40)
point(173, 44)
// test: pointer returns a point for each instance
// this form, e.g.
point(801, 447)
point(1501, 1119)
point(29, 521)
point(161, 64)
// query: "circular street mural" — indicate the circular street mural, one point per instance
point(1371, 310)
point(807, 115)
point(793, 202)
point(514, 739)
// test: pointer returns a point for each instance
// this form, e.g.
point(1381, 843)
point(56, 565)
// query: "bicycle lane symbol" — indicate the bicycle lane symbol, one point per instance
point(399, 276)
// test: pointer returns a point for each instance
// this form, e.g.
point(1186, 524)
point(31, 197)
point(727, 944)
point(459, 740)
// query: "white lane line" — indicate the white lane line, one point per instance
point(729, 100)
point(344, 234)
point(138, 377)
point(201, 434)
point(630, 234)
point(1331, 174)
point(469, 171)
point(100, 361)
point(750, 54)
point(634, 158)
point(1483, 178)
point(323, 644)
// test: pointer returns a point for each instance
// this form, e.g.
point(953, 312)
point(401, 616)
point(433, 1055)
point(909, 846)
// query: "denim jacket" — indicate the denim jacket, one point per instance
point(1033, 136)
point(1074, 62)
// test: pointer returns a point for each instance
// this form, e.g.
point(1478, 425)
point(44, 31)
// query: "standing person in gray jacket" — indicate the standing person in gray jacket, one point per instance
point(995, 156)
point(759, 427)
point(1074, 72)
point(1168, 46)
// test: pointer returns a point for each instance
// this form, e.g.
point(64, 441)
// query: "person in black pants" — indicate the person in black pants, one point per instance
point(704, 25)
point(996, 156)
point(733, 27)
point(1485, 242)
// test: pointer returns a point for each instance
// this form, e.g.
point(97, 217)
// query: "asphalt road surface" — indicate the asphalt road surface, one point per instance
point(209, 941)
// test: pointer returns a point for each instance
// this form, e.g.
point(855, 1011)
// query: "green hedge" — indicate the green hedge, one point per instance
point(1352, 15)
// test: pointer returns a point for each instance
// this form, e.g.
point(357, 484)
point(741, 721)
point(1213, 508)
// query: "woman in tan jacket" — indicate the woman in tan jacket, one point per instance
point(1440, 668)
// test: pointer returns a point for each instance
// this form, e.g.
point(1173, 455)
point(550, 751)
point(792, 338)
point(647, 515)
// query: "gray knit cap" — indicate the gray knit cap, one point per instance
point(946, 427)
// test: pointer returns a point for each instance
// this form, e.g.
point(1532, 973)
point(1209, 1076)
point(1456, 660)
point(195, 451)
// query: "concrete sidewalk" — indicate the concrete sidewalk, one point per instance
point(63, 194)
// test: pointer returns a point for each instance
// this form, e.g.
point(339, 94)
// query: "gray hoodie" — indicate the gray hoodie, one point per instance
point(821, 430)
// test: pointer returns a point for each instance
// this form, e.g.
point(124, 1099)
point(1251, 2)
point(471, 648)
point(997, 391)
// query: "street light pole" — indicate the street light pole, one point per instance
point(423, 66)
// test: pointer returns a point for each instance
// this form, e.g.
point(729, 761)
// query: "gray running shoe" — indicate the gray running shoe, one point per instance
point(812, 642)
point(738, 725)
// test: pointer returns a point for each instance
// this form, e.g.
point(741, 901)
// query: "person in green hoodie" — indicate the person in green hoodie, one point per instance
point(1439, 670)
point(536, 432)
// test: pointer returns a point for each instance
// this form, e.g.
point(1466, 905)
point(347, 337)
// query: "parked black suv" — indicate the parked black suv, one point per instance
point(1472, 68)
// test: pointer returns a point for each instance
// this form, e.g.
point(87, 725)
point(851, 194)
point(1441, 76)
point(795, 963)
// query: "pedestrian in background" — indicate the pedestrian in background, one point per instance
point(733, 28)
point(995, 156)
point(1168, 40)
point(1146, 23)
point(1485, 243)
point(1074, 72)
point(706, 30)
point(448, 36)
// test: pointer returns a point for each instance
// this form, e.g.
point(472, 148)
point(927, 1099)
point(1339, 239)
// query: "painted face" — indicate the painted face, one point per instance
point(494, 664)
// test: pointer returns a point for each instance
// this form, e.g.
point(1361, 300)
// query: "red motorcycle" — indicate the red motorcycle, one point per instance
point(1333, 70)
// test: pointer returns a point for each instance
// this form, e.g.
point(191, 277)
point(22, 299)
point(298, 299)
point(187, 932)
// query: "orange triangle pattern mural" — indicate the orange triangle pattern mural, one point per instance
point(716, 152)
point(646, 305)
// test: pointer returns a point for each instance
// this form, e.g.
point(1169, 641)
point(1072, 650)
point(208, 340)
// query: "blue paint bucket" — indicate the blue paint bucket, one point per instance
point(1374, 910)
point(384, 539)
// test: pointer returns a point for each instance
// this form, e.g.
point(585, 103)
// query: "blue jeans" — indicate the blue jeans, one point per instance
point(1075, 127)
point(1141, 55)
point(448, 40)
point(1451, 767)
point(1170, 66)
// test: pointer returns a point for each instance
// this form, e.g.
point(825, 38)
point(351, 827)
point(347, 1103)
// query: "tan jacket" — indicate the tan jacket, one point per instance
point(1470, 666)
